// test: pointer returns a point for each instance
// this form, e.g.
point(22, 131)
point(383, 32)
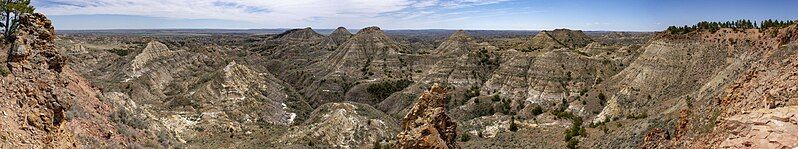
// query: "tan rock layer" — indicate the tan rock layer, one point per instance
point(427, 125)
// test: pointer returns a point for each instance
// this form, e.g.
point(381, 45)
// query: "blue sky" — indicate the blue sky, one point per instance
point(617, 15)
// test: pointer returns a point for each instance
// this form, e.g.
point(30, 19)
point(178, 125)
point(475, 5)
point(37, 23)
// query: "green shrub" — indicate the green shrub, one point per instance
point(377, 145)
point(602, 99)
point(471, 93)
point(384, 89)
point(594, 125)
point(119, 52)
point(504, 107)
point(4, 71)
point(126, 117)
point(465, 137)
point(537, 110)
point(576, 128)
point(573, 144)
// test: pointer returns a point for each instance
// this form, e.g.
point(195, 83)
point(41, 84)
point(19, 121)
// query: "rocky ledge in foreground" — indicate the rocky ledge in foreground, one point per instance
point(427, 125)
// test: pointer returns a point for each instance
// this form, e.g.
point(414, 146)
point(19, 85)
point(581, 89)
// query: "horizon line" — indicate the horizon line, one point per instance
point(400, 29)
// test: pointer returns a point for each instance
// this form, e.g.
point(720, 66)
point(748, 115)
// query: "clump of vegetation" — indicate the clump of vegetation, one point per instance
point(506, 108)
point(378, 145)
point(496, 98)
point(119, 52)
point(602, 99)
point(483, 109)
point(605, 121)
point(739, 24)
point(471, 92)
point(4, 71)
point(126, 117)
point(536, 110)
point(485, 58)
point(572, 144)
point(560, 111)
point(384, 89)
point(465, 137)
point(583, 92)
point(576, 128)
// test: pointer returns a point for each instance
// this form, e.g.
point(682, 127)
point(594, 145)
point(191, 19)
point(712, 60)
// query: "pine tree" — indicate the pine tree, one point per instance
point(12, 9)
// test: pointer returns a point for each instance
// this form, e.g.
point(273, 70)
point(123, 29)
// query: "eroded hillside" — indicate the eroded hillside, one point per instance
point(302, 89)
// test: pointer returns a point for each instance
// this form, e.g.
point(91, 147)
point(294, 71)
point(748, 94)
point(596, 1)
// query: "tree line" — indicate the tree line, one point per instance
point(739, 24)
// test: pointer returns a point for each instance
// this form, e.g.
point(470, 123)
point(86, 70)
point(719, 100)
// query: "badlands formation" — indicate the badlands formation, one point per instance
point(730, 88)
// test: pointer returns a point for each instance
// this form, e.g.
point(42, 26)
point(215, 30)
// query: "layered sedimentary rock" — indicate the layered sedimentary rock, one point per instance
point(293, 52)
point(708, 88)
point(462, 62)
point(427, 125)
point(556, 39)
point(763, 128)
point(340, 35)
point(549, 76)
point(344, 125)
point(299, 34)
point(47, 105)
point(154, 50)
point(368, 55)
point(243, 95)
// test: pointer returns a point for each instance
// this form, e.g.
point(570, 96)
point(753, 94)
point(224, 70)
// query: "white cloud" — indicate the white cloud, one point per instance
point(425, 3)
point(267, 12)
point(469, 3)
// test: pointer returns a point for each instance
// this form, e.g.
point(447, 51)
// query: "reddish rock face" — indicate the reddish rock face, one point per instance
point(763, 128)
point(427, 125)
point(45, 104)
point(33, 45)
point(656, 138)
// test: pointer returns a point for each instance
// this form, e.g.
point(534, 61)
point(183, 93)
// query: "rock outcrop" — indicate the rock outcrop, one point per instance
point(427, 125)
point(458, 43)
point(154, 50)
point(368, 55)
point(763, 128)
point(462, 62)
point(260, 96)
point(655, 139)
point(556, 39)
point(549, 76)
point(47, 105)
point(299, 34)
point(344, 125)
point(709, 89)
point(340, 35)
